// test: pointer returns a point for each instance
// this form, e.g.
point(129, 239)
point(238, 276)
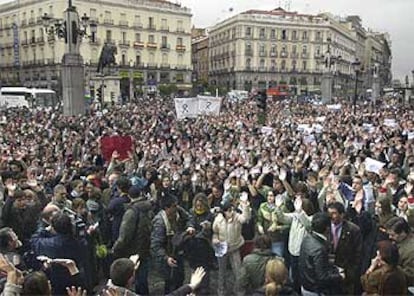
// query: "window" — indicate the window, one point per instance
point(51, 9)
point(180, 41)
point(305, 35)
point(304, 49)
point(124, 37)
point(151, 22)
point(273, 49)
point(137, 37)
point(262, 63)
point(33, 37)
point(283, 65)
point(123, 59)
point(248, 63)
point(137, 60)
point(273, 64)
point(107, 15)
point(108, 35)
point(248, 31)
point(164, 41)
point(284, 35)
point(318, 51)
point(294, 48)
point(123, 17)
point(164, 24)
point(304, 65)
point(318, 35)
point(294, 65)
point(273, 34)
point(262, 33)
point(40, 12)
point(151, 39)
point(262, 48)
point(180, 26)
point(92, 13)
point(294, 37)
point(151, 58)
point(180, 59)
point(137, 20)
point(25, 36)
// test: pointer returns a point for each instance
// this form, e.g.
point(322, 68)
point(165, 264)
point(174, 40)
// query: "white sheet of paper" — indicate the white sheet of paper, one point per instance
point(373, 165)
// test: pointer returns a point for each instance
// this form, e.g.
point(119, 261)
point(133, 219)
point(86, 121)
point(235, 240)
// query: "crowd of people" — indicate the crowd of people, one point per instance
point(317, 201)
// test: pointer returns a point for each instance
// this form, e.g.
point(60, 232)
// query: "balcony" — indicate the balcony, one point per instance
point(137, 25)
point(262, 69)
point(248, 68)
point(283, 54)
point(152, 45)
point(165, 46)
point(180, 30)
point(51, 38)
point(33, 40)
point(39, 20)
point(305, 55)
point(262, 37)
point(273, 54)
point(165, 29)
point(124, 43)
point(262, 53)
point(152, 65)
point(139, 44)
point(94, 19)
point(294, 55)
point(180, 47)
point(248, 52)
point(151, 27)
point(318, 39)
point(31, 21)
point(40, 40)
point(273, 69)
point(25, 43)
point(50, 61)
point(24, 23)
point(108, 22)
point(123, 23)
point(165, 66)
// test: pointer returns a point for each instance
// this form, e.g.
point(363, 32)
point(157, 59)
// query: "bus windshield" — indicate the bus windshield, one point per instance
point(35, 97)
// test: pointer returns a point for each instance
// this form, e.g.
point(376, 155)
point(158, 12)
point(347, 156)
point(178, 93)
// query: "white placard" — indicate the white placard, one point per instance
point(209, 105)
point(186, 107)
point(373, 165)
point(266, 130)
point(334, 107)
point(410, 135)
point(390, 122)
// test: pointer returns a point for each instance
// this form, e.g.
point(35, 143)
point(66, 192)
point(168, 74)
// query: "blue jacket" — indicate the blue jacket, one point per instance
point(60, 246)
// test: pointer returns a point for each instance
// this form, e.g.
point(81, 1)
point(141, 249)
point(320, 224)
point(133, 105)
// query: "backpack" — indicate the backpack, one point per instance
point(143, 227)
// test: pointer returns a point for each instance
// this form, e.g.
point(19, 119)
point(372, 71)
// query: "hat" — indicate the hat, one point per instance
point(134, 191)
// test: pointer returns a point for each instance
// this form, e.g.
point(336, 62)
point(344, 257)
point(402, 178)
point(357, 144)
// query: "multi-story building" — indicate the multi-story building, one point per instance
point(153, 40)
point(261, 49)
point(200, 59)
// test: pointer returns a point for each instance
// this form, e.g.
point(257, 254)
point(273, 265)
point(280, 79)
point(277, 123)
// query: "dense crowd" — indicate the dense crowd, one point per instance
point(318, 201)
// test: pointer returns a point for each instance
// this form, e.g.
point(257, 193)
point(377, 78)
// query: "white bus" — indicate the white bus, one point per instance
point(27, 97)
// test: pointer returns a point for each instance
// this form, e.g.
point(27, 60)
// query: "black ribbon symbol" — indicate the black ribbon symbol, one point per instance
point(185, 108)
point(208, 105)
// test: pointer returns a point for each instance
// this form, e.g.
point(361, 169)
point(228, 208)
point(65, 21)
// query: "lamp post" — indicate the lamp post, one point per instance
point(356, 65)
point(72, 29)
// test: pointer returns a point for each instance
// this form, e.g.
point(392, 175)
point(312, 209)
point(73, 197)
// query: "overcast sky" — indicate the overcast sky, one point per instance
point(393, 16)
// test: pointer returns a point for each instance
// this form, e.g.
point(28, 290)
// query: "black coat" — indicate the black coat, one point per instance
point(316, 273)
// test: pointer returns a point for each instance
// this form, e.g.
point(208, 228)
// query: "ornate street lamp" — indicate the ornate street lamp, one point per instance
point(357, 68)
point(72, 29)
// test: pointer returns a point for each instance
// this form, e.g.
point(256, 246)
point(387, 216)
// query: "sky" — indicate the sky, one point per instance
point(393, 16)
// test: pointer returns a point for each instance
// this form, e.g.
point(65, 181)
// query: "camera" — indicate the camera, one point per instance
point(78, 225)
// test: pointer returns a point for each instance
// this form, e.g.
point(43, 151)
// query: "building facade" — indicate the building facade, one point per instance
point(153, 40)
point(261, 49)
point(200, 58)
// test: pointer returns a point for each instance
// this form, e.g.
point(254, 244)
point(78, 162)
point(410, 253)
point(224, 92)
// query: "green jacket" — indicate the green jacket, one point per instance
point(253, 270)
point(406, 250)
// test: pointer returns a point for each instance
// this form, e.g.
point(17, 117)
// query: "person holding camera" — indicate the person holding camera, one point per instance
point(59, 241)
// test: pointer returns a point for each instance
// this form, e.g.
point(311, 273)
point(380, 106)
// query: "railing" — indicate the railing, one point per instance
point(248, 52)
point(165, 46)
point(283, 54)
point(31, 20)
point(305, 55)
point(152, 45)
point(123, 23)
point(124, 43)
point(273, 54)
point(137, 25)
point(139, 44)
point(180, 48)
point(165, 29)
point(108, 21)
point(152, 65)
point(24, 23)
point(294, 55)
point(262, 53)
point(41, 39)
point(151, 27)
point(165, 66)
point(180, 30)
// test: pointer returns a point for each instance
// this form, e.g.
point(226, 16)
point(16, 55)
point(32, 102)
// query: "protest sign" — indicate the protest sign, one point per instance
point(209, 105)
point(186, 107)
point(373, 165)
point(122, 144)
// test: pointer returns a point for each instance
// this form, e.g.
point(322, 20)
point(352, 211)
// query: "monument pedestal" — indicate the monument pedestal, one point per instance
point(73, 84)
point(326, 88)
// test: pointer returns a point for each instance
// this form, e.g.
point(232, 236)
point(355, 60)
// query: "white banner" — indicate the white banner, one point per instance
point(209, 105)
point(186, 107)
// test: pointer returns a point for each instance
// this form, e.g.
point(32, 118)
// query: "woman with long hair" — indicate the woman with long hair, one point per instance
point(276, 280)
